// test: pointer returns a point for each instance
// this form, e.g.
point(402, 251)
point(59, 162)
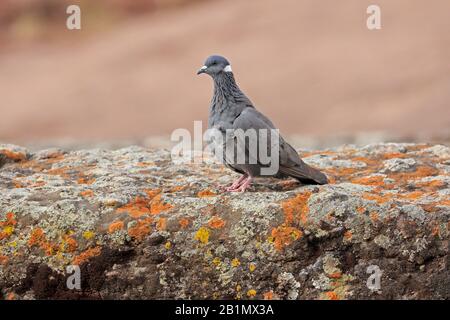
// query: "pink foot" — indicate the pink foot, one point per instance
point(244, 186)
point(237, 183)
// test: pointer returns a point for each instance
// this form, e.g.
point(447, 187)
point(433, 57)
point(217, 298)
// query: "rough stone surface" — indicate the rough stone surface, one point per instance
point(140, 226)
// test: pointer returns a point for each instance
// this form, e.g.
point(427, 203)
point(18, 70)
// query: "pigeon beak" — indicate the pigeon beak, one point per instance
point(202, 70)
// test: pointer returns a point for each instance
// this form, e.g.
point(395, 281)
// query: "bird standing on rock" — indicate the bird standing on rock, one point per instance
point(231, 110)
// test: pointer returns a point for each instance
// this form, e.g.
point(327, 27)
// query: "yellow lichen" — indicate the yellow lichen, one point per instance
point(251, 293)
point(202, 235)
point(8, 226)
point(235, 263)
point(216, 261)
point(88, 235)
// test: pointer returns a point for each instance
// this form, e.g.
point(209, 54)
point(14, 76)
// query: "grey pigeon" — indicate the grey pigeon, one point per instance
point(231, 110)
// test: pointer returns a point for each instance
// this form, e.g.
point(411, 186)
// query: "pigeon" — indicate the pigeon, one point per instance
point(231, 110)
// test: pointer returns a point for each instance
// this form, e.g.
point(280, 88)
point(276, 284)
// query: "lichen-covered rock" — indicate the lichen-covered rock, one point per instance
point(140, 226)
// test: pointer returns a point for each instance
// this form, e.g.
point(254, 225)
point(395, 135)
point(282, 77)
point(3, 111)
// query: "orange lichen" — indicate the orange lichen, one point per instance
point(335, 275)
point(69, 244)
point(10, 296)
point(284, 236)
point(341, 172)
point(38, 238)
point(151, 193)
point(348, 235)
point(18, 184)
point(420, 172)
point(374, 216)
point(432, 184)
point(38, 184)
point(380, 199)
point(9, 221)
point(369, 181)
point(141, 229)
point(177, 188)
point(206, 193)
point(161, 224)
point(296, 208)
point(158, 206)
point(268, 295)
point(436, 231)
point(136, 208)
point(417, 147)
point(411, 195)
point(62, 172)
point(86, 180)
point(331, 295)
point(86, 255)
point(370, 162)
point(3, 260)
point(115, 226)
point(7, 226)
point(393, 155)
point(87, 193)
point(184, 223)
point(145, 164)
point(361, 210)
point(16, 156)
point(153, 204)
point(444, 203)
point(216, 223)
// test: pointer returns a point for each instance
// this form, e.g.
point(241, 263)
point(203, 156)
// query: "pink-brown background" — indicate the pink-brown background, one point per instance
point(312, 66)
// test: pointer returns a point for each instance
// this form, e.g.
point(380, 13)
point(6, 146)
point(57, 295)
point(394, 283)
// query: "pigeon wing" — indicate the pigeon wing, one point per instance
point(290, 162)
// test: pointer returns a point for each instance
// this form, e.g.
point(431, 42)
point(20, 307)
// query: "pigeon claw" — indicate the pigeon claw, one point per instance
point(237, 183)
point(244, 185)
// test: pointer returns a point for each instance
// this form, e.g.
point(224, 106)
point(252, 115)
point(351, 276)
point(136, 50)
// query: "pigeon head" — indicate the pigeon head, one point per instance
point(215, 65)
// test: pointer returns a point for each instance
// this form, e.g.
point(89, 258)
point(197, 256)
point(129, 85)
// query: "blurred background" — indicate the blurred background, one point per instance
point(128, 76)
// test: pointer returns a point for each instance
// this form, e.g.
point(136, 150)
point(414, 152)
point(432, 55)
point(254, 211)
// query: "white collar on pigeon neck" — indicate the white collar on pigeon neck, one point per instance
point(227, 69)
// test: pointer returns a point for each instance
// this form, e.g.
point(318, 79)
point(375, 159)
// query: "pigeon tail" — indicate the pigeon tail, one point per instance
point(305, 174)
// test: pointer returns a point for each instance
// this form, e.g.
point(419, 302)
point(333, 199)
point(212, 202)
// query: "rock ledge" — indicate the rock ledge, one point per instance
point(140, 226)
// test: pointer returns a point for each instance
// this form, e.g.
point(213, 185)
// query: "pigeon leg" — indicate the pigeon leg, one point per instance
point(237, 183)
point(245, 185)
